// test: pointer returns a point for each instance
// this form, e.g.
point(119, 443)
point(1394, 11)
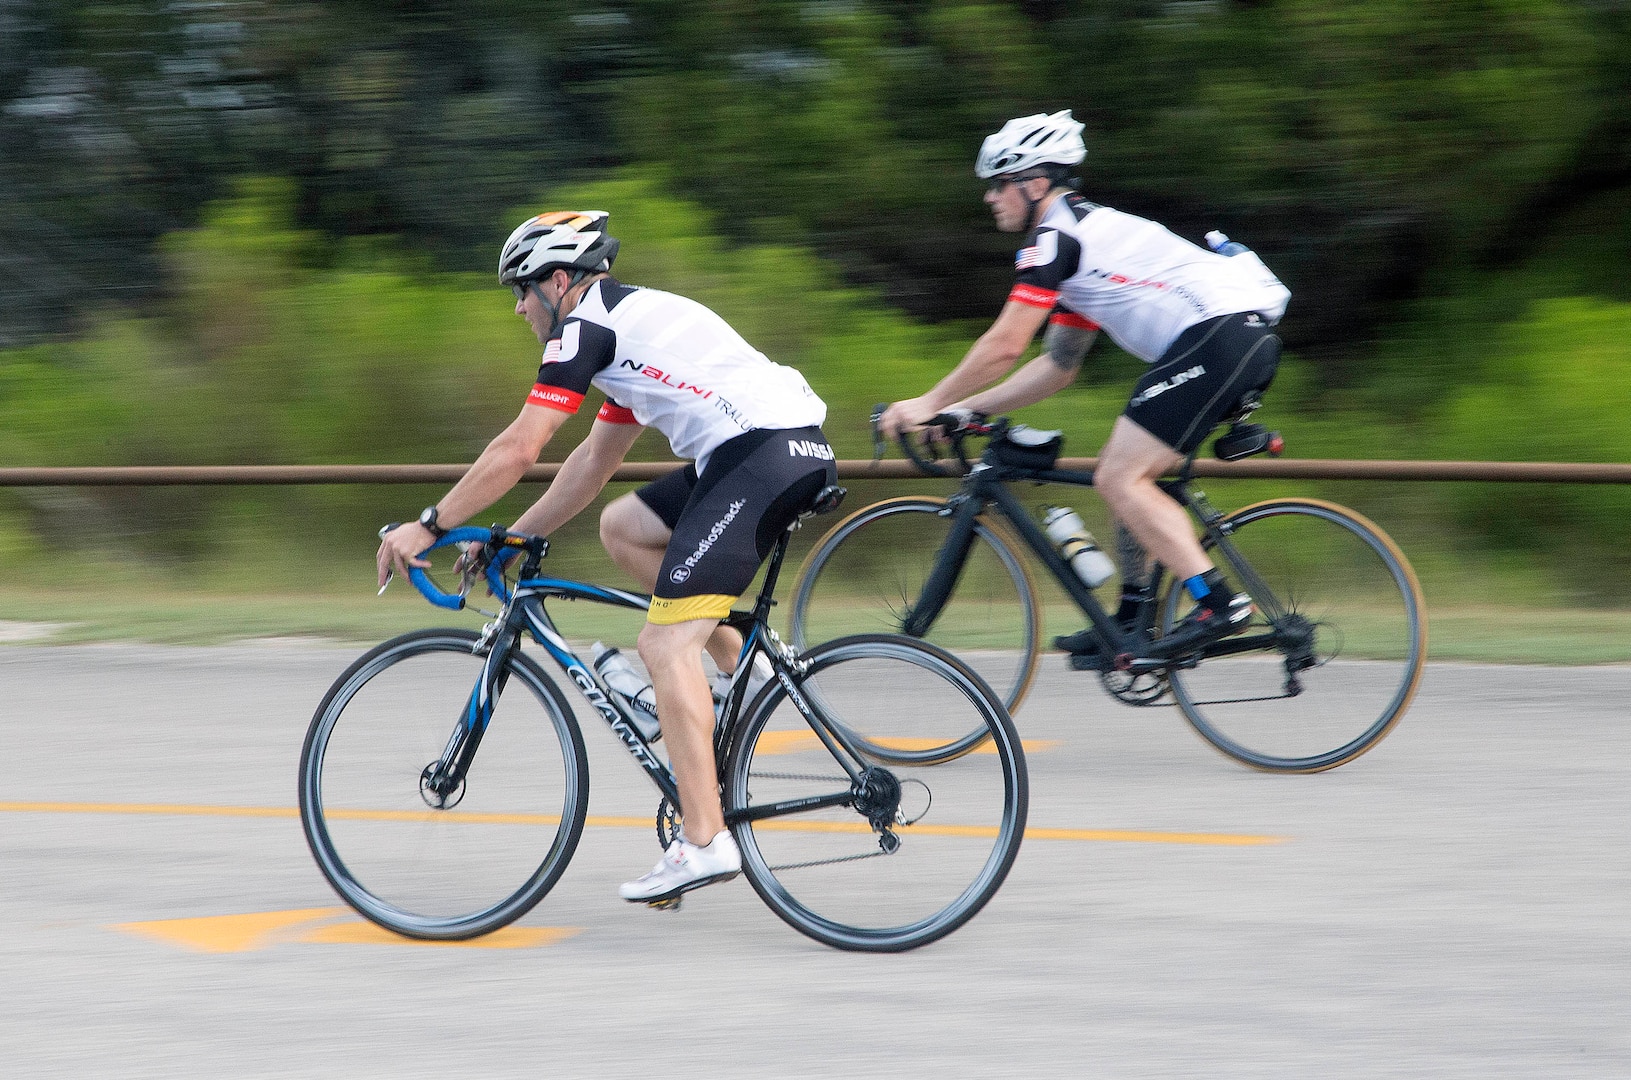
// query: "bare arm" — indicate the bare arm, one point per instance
point(991, 357)
point(1046, 375)
point(582, 476)
point(1027, 386)
point(495, 472)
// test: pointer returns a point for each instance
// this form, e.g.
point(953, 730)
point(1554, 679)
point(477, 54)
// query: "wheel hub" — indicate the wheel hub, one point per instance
point(439, 790)
point(877, 797)
point(1295, 635)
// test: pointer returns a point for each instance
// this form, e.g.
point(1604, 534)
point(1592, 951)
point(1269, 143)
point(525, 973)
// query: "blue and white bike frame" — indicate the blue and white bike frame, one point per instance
point(524, 611)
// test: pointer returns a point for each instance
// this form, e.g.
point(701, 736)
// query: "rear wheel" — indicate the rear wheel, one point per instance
point(911, 851)
point(457, 863)
point(1342, 627)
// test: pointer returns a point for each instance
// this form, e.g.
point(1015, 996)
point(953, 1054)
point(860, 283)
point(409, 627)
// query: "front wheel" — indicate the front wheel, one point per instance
point(446, 864)
point(907, 853)
point(867, 575)
point(1340, 635)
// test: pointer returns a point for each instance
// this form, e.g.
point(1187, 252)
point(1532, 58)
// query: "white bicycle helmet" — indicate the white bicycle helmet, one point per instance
point(563, 239)
point(1028, 141)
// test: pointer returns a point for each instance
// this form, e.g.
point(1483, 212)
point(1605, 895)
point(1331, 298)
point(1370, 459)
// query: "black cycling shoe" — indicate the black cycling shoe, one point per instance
point(1081, 642)
point(1209, 621)
point(1086, 650)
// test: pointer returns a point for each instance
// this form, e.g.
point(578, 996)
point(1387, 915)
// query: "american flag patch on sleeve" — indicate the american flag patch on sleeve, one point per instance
point(1039, 254)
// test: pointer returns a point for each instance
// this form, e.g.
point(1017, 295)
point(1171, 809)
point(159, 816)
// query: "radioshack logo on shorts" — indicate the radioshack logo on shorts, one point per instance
point(683, 571)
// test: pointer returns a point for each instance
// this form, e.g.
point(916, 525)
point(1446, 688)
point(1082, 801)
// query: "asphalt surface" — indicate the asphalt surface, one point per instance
point(1454, 904)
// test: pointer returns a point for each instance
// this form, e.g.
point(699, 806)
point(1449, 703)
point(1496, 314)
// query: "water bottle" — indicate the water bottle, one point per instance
point(616, 672)
point(1064, 527)
point(1221, 244)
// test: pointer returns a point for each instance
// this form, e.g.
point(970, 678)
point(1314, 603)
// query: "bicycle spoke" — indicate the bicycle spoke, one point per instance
point(867, 575)
point(420, 852)
point(1333, 653)
point(951, 828)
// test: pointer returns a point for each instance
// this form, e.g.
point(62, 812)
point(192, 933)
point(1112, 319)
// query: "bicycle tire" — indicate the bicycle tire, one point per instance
point(441, 874)
point(1335, 575)
point(993, 619)
point(818, 869)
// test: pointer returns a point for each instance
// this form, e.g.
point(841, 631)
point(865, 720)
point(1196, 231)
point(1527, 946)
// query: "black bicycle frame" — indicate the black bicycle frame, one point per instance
point(986, 484)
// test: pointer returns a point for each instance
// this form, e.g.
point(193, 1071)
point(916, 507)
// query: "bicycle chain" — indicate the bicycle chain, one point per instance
point(1244, 700)
point(800, 776)
point(818, 862)
point(828, 862)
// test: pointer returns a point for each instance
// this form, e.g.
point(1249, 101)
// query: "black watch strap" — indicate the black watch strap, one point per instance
point(427, 518)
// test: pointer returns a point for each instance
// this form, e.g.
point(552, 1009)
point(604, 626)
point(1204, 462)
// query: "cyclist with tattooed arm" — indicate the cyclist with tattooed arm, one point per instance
point(1201, 319)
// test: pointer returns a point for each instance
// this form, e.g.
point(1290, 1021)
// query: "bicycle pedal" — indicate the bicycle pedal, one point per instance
point(1085, 661)
point(671, 903)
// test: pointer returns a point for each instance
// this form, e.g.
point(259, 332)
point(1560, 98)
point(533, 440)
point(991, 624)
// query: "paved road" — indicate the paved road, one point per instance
point(1455, 904)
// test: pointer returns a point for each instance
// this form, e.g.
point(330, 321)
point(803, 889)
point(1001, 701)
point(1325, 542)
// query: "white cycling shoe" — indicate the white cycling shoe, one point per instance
point(686, 866)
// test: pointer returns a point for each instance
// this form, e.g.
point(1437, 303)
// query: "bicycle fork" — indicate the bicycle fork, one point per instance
point(441, 783)
point(948, 568)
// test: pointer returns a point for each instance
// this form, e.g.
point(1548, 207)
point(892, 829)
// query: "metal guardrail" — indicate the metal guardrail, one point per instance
point(1555, 472)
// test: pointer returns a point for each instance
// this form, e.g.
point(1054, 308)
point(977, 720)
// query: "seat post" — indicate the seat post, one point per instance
point(761, 606)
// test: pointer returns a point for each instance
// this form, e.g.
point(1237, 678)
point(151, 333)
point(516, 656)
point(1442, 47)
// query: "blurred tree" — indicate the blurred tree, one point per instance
point(120, 119)
point(1355, 145)
point(1358, 146)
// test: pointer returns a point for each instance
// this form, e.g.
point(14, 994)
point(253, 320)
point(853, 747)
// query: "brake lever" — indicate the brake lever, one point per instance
point(390, 572)
point(880, 445)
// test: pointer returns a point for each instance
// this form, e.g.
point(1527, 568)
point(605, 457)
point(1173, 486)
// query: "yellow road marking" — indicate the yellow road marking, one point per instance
point(603, 821)
point(257, 930)
point(791, 742)
point(226, 933)
point(510, 937)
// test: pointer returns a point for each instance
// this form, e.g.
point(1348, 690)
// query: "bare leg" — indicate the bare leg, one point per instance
point(636, 538)
point(673, 655)
point(1130, 463)
point(1132, 558)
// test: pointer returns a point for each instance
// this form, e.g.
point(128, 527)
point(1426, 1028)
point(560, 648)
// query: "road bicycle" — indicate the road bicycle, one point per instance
point(1325, 669)
point(444, 784)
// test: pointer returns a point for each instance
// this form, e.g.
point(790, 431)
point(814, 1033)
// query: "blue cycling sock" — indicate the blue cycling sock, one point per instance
point(1197, 586)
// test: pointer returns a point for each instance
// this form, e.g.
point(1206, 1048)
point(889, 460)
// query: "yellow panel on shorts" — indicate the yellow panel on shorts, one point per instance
point(666, 612)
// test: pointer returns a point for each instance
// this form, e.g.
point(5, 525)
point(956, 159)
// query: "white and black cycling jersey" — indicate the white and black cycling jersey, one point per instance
point(673, 364)
point(1143, 285)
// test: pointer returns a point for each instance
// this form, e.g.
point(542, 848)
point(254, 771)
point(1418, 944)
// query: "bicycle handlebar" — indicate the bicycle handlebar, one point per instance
point(503, 545)
point(957, 427)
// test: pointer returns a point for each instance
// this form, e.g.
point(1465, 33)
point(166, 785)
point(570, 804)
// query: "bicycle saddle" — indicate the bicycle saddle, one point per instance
point(827, 499)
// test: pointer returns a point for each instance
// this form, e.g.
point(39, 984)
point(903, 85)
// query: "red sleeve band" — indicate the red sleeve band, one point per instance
point(1033, 295)
point(553, 397)
point(615, 414)
point(1073, 320)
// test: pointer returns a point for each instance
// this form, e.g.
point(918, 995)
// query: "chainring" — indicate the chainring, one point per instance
point(668, 823)
point(1145, 688)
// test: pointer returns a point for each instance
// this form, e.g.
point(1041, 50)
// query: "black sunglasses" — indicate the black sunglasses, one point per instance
point(997, 183)
point(520, 288)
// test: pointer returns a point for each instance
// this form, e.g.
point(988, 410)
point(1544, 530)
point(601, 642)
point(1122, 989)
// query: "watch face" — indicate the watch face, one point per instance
point(428, 518)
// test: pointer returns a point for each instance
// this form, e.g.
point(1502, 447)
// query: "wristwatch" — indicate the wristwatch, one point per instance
point(427, 518)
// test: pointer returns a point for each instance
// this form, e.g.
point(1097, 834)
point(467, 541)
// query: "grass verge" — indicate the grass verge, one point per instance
point(167, 616)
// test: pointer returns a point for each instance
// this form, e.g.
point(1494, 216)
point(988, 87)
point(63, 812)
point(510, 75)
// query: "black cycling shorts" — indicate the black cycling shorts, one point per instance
point(726, 521)
point(1203, 377)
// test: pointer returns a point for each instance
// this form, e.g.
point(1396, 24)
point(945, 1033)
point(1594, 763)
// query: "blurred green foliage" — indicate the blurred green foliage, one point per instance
point(262, 230)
